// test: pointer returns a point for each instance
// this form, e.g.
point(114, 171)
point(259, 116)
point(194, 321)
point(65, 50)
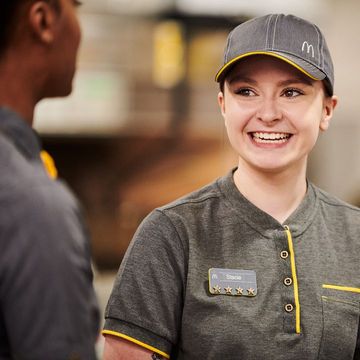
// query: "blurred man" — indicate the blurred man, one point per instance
point(47, 303)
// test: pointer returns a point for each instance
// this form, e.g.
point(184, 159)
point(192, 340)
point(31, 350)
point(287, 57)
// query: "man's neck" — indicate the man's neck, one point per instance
point(278, 194)
point(24, 109)
point(17, 90)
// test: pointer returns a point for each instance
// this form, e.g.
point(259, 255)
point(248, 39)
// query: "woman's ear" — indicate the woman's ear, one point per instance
point(328, 111)
point(221, 102)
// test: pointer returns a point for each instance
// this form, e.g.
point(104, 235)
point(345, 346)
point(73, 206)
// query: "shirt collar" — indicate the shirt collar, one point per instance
point(20, 133)
point(261, 221)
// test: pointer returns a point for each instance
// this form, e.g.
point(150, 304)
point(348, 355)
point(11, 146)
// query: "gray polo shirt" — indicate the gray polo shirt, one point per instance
point(48, 308)
point(302, 304)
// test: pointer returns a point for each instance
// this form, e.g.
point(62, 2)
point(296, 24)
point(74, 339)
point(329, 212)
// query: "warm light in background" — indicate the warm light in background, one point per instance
point(169, 54)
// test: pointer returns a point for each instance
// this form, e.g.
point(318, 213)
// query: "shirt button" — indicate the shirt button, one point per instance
point(289, 308)
point(284, 254)
point(288, 281)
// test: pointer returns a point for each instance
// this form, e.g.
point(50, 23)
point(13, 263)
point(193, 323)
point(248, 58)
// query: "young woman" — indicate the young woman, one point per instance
point(260, 264)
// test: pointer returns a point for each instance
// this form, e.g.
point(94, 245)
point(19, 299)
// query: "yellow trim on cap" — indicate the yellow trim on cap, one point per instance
point(137, 342)
point(341, 288)
point(295, 280)
point(262, 53)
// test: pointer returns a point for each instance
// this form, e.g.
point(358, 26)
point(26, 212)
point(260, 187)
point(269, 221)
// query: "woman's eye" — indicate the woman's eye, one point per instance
point(292, 93)
point(245, 92)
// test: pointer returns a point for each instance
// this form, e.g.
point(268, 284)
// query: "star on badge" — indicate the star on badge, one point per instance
point(251, 292)
point(228, 290)
point(239, 291)
point(217, 289)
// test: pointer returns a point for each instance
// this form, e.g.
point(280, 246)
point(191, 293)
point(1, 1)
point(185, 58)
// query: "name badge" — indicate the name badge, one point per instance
point(232, 282)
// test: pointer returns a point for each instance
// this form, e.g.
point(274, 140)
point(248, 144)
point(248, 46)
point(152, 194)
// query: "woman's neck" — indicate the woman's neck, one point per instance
point(278, 194)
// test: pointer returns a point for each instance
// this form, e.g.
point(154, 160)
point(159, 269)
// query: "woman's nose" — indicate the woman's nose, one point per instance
point(268, 111)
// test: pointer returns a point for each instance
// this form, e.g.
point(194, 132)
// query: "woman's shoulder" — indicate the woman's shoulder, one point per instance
point(334, 203)
point(201, 197)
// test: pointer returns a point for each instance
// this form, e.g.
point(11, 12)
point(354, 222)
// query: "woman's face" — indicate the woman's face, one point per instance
point(273, 113)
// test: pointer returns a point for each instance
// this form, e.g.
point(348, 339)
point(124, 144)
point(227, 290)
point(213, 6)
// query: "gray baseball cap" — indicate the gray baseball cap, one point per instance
point(287, 37)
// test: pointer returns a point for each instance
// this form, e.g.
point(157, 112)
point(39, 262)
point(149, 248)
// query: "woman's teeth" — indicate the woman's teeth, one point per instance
point(273, 138)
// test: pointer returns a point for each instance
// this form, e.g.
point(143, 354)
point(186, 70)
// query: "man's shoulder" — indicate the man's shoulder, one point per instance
point(25, 188)
point(15, 168)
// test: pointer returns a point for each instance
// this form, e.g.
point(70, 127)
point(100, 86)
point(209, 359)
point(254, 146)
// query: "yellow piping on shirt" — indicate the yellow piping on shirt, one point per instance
point(137, 342)
point(295, 280)
point(49, 164)
point(341, 288)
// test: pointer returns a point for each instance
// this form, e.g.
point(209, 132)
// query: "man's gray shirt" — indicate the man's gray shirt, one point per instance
point(48, 308)
point(307, 275)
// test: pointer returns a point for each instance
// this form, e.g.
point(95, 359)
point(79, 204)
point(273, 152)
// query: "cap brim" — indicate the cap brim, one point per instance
point(308, 69)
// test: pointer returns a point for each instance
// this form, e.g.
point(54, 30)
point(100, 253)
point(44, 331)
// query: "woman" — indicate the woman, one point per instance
point(260, 264)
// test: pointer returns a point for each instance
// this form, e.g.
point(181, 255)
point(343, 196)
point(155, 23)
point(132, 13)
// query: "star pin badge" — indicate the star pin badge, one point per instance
point(228, 290)
point(251, 292)
point(239, 291)
point(217, 289)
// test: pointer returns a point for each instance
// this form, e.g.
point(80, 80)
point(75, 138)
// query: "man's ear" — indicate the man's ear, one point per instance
point(42, 18)
point(328, 111)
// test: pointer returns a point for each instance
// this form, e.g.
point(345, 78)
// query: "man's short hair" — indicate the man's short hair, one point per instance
point(9, 11)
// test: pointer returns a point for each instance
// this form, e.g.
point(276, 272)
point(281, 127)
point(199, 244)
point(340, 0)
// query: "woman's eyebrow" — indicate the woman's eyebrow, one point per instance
point(296, 80)
point(241, 78)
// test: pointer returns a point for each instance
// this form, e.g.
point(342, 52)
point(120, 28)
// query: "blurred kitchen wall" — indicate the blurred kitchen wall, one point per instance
point(142, 125)
point(335, 162)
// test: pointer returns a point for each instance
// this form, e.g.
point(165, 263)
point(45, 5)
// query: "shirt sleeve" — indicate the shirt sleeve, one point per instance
point(147, 298)
point(48, 302)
